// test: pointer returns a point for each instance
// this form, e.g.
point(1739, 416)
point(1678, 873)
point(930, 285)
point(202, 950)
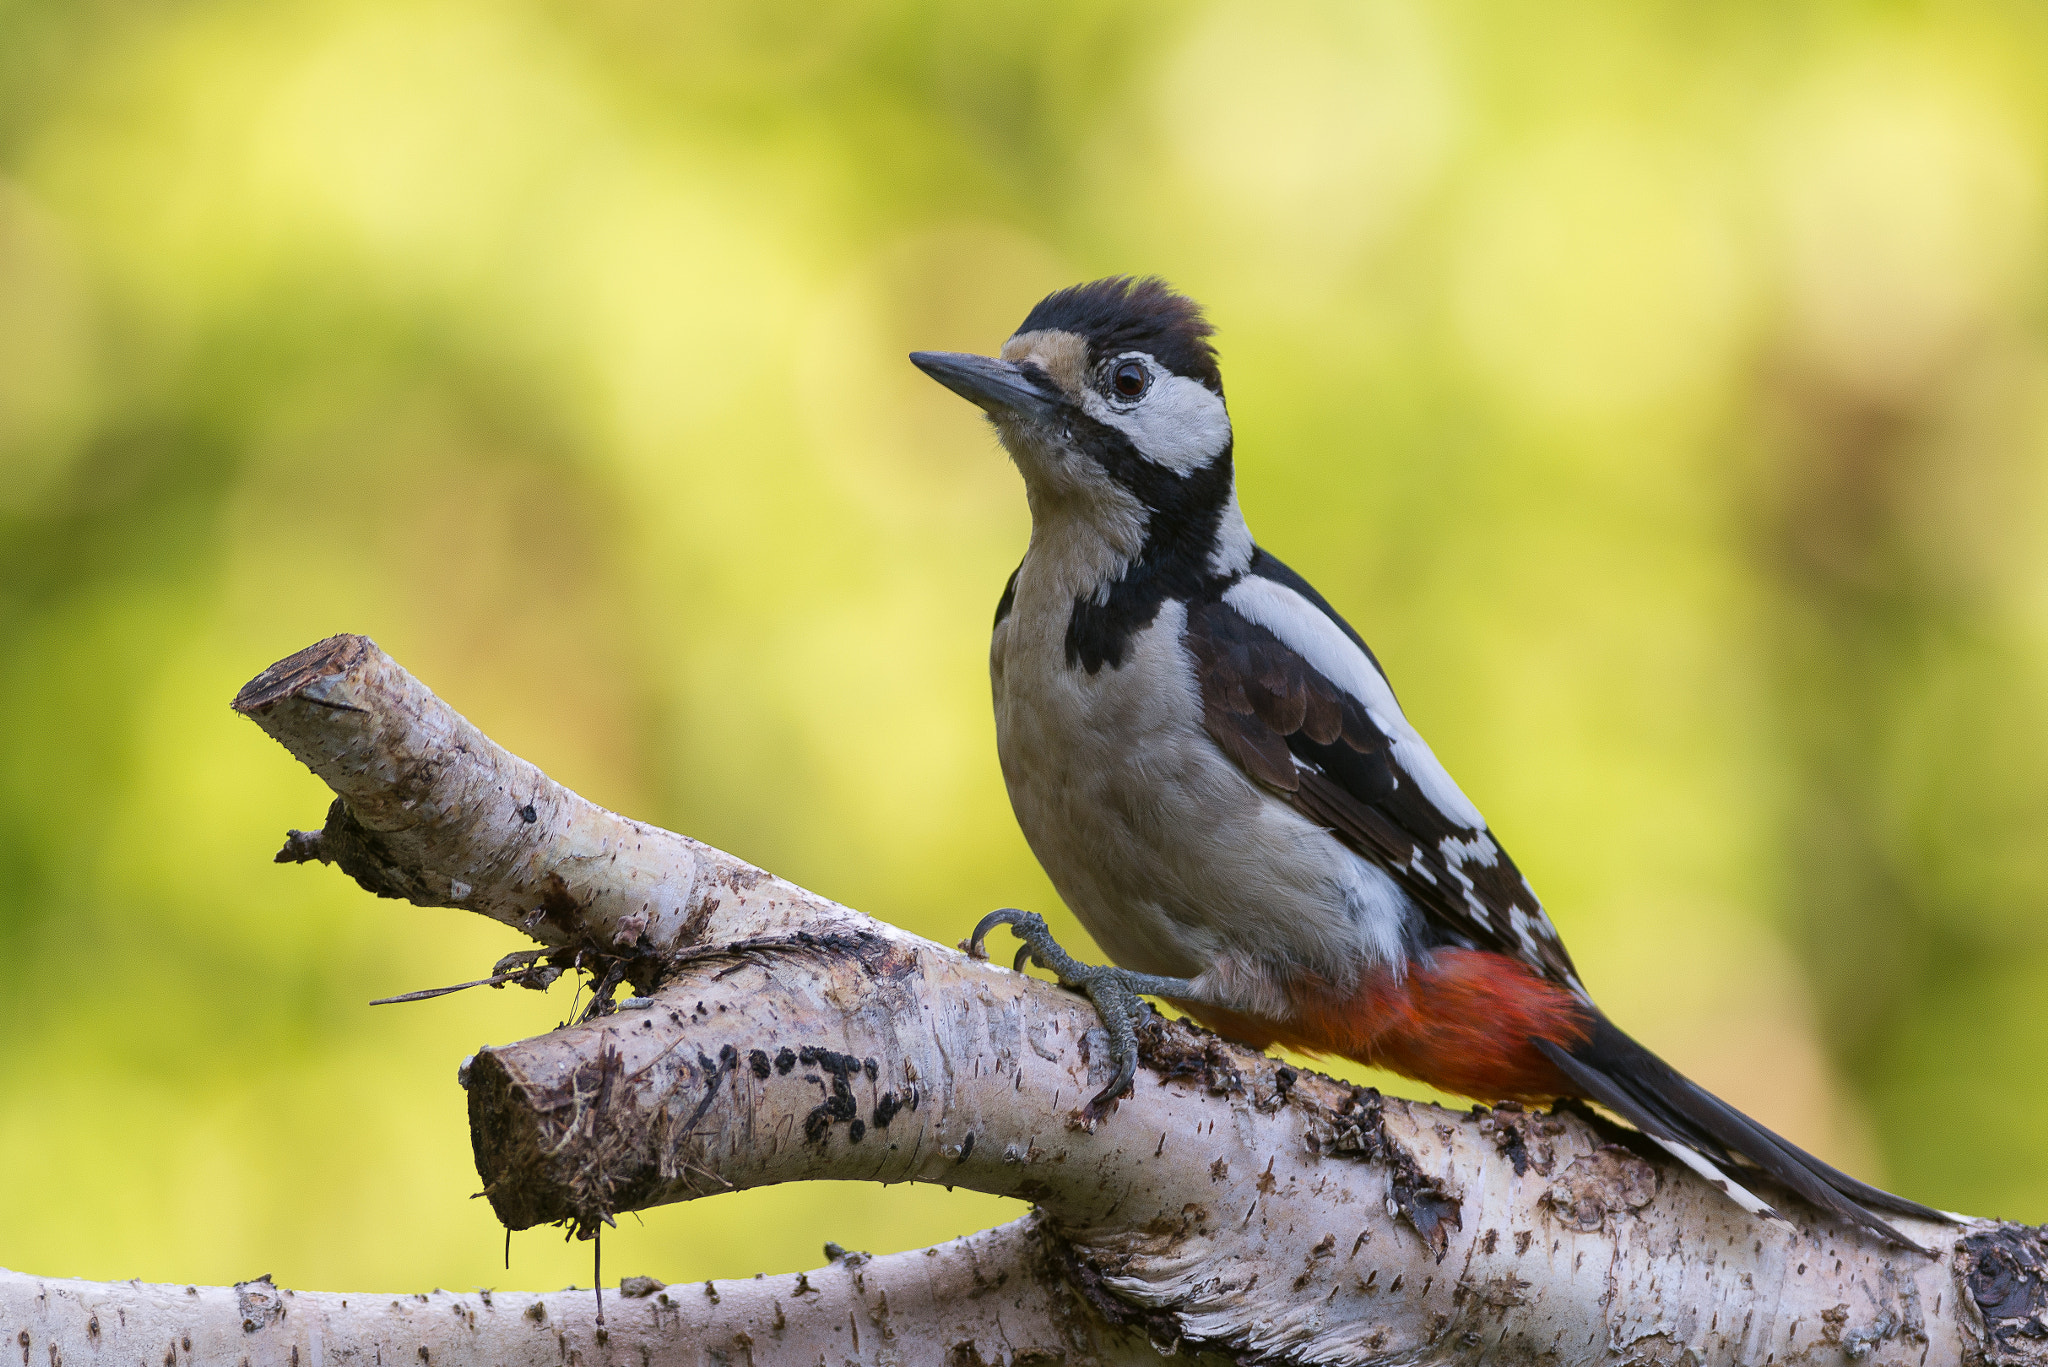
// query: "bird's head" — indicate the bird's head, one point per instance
point(1109, 400)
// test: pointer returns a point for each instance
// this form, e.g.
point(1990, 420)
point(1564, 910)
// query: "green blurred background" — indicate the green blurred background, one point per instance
point(1663, 388)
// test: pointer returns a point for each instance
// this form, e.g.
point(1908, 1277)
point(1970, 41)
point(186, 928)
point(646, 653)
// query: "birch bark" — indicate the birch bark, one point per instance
point(1231, 1209)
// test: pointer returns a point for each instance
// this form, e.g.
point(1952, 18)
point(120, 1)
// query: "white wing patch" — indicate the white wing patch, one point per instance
point(1481, 850)
point(1416, 866)
point(1312, 635)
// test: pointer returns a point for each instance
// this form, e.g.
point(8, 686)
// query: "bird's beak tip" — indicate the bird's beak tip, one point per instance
point(943, 362)
point(986, 381)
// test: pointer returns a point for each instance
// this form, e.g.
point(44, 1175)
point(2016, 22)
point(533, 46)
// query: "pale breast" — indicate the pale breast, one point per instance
point(1174, 861)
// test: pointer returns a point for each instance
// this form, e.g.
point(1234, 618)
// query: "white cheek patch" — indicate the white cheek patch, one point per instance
point(1179, 423)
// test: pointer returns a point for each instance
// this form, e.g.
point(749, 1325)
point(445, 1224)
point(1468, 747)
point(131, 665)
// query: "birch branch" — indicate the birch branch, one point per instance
point(993, 1297)
point(1231, 1206)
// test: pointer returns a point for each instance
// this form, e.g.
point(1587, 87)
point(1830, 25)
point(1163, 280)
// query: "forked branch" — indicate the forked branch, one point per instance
point(1232, 1206)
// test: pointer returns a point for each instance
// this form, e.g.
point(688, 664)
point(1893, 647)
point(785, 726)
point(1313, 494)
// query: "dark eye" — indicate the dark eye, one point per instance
point(1130, 379)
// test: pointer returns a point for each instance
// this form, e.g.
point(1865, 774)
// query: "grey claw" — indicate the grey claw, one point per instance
point(1120, 1009)
point(1020, 921)
point(1115, 1002)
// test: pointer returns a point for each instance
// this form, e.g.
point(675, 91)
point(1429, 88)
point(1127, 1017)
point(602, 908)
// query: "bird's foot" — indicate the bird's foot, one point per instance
point(1118, 993)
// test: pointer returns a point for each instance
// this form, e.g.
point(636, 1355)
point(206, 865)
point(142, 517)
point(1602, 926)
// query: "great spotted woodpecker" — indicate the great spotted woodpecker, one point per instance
point(1212, 767)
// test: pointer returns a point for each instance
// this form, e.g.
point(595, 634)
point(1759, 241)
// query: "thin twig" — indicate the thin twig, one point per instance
point(427, 992)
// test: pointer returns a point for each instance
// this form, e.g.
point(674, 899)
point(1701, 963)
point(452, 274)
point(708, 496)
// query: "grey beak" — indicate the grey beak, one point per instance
point(994, 384)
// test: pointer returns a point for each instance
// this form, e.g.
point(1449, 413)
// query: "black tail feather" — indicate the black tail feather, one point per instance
point(1650, 1094)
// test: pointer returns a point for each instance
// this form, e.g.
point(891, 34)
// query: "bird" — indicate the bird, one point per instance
point(1214, 771)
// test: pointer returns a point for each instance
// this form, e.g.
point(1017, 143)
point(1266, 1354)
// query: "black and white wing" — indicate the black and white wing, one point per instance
point(1292, 694)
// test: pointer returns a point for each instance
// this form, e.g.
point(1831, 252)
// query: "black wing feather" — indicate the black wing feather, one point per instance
point(1308, 741)
point(1311, 743)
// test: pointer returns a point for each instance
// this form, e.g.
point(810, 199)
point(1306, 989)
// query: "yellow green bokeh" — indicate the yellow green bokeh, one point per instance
point(1663, 389)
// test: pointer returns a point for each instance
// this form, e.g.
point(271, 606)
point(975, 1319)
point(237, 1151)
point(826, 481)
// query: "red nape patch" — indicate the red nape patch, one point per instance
point(1463, 1021)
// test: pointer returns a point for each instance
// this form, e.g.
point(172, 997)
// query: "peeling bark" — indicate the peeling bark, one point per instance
point(1234, 1207)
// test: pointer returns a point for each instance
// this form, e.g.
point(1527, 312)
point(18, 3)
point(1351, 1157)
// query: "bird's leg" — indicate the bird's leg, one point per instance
point(1116, 992)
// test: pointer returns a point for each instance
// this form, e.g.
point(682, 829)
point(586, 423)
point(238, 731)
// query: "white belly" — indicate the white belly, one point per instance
point(1174, 861)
